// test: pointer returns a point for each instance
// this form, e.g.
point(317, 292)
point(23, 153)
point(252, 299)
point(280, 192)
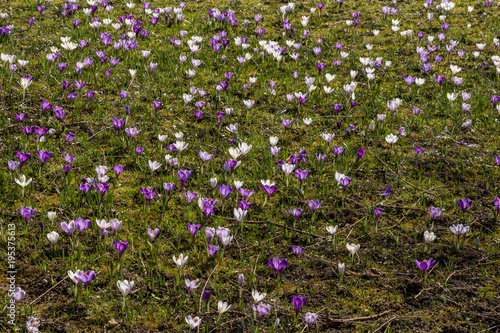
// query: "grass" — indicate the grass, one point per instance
point(382, 288)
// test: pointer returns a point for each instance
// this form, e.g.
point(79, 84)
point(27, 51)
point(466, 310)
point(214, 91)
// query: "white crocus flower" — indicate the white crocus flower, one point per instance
point(125, 286)
point(258, 296)
point(23, 182)
point(180, 261)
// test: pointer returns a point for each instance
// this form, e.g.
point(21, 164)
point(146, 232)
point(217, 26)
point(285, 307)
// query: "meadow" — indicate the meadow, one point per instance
point(249, 166)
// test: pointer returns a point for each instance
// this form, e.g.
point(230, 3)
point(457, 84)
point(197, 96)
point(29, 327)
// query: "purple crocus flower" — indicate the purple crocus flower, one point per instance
point(344, 182)
point(190, 196)
point(377, 211)
point(297, 250)
point(286, 123)
point(81, 224)
point(69, 228)
point(85, 277)
point(244, 205)
point(102, 188)
point(296, 212)
point(418, 150)
point(246, 193)
point(360, 154)
point(169, 187)
point(206, 295)
point(268, 189)
point(435, 212)
point(118, 169)
point(225, 191)
point(139, 150)
point(314, 205)
point(22, 156)
point(120, 247)
point(298, 302)
point(27, 212)
point(425, 265)
point(212, 250)
point(277, 265)
point(193, 229)
point(149, 193)
point(301, 175)
point(43, 155)
point(152, 233)
point(262, 310)
point(386, 193)
point(183, 176)
point(464, 204)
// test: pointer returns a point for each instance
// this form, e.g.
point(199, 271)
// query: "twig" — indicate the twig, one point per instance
point(206, 282)
point(58, 283)
point(360, 318)
point(387, 322)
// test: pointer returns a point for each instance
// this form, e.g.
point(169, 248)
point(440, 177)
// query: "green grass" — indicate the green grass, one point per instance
point(381, 291)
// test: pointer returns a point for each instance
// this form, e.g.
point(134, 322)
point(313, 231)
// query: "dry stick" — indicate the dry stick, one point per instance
point(206, 282)
point(387, 322)
point(360, 318)
point(58, 283)
point(404, 180)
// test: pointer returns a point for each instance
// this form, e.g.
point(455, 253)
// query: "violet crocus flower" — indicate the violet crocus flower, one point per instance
point(360, 154)
point(344, 182)
point(149, 193)
point(191, 284)
point(425, 265)
point(277, 265)
point(213, 250)
point(81, 224)
point(246, 193)
point(386, 193)
point(297, 250)
point(69, 228)
point(435, 212)
point(183, 176)
point(169, 187)
point(268, 189)
point(190, 196)
point(314, 205)
point(377, 211)
point(301, 175)
point(44, 155)
point(152, 233)
point(262, 310)
point(310, 318)
point(118, 169)
point(298, 302)
point(120, 247)
point(464, 204)
point(296, 212)
point(209, 233)
point(193, 229)
point(27, 212)
point(85, 277)
point(225, 191)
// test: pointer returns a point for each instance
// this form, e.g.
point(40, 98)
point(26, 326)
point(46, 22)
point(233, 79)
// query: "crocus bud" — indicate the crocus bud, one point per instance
point(341, 269)
point(241, 279)
point(51, 216)
point(206, 295)
point(213, 182)
point(53, 237)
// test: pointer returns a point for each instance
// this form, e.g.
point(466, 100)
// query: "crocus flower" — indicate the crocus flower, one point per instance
point(149, 193)
point(53, 237)
point(425, 265)
point(180, 261)
point(190, 195)
point(191, 284)
point(193, 322)
point(193, 229)
point(464, 204)
point(435, 212)
point(377, 212)
point(262, 310)
point(277, 265)
point(18, 294)
point(206, 295)
point(120, 247)
point(125, 286)
point(44, 156)
point(310, 319)
point(32, 325)
point(183, 176)
point(212, 250)
point(85, 277)
point(27, 212)
point(297, 250)
point(152, 233)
